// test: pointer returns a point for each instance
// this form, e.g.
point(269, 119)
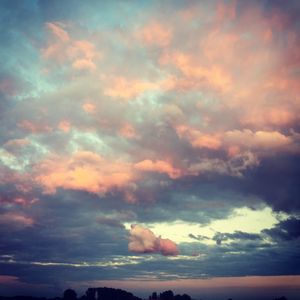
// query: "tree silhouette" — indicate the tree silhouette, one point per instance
point(167, 295)
point(70, 294)
point(154, 296)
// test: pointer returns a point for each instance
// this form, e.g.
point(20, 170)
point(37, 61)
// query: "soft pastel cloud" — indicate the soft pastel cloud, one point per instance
point(121, 87)
point(261, 140)
point(64, 125)
point(15, 220)
point(89, 107)
point(84, 170)
point(143, 240)
point(183, 118)
point(155, 34)
point(199, 139)
point(63, 49)
point(58, 31)
point(159, 166)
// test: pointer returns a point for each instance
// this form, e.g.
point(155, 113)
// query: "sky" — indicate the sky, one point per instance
point(150, 145)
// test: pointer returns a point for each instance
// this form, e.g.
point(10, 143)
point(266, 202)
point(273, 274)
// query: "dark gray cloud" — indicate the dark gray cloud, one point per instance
point(237, 235)
point(286, 230)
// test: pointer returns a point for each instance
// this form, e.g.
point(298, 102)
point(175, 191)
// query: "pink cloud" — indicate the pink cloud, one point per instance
point(57, 31)
point(64, 126)
point(16, 219)
point(89, 107)
point(80, 54)
point(84, 64)
point(155, 33)
point(199, 139)
point(143, 240)
point(159, 166)
point(260, 140)
point(82, 48)
point(16, 143)
point(122, 87)
point(197, 74)
point(7, 279)
point(225, 12)
point(275, 116)
point(34, 127)
point(128, 131)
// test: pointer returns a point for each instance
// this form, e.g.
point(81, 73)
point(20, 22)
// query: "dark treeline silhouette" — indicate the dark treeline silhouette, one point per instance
point(169, 295)
point(105, 293)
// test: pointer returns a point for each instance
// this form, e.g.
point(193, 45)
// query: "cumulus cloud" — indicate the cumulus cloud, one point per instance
point(84, 170)
point(143, 240)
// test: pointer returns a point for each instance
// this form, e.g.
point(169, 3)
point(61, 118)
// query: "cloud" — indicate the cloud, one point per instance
point(80, 54)
point(89, 107)
point(143, 240)
point(155, 34)
point(85, 171)
point(167, 117)
point(285, 230)
point(58, 31)
point(198, 237)
point(199, 139)
point(16, 220)
point(121, 87)
point(159, 166)
point(237, 235)
point(261, 140)
point(235, 166)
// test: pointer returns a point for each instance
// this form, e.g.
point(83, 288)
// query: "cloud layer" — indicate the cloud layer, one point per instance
point(151, 113)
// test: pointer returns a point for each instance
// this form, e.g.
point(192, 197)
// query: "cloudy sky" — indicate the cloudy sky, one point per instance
point(149, 145)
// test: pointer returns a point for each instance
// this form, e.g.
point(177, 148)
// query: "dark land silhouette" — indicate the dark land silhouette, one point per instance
point(105, 293)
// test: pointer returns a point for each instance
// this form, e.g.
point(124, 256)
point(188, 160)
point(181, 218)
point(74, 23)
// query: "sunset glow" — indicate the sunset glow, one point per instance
point(150, 145)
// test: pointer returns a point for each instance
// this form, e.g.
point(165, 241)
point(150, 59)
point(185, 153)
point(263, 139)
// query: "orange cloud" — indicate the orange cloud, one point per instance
point(156, 34)
point(84, 170)
point(199, 139)
point(159, 166)
point(143, 240)
point(83, 64)
point(79, 53)
point(200, 74)
point(258, 140)
point(64, 125)
point(128, 88)
point(89, 107)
